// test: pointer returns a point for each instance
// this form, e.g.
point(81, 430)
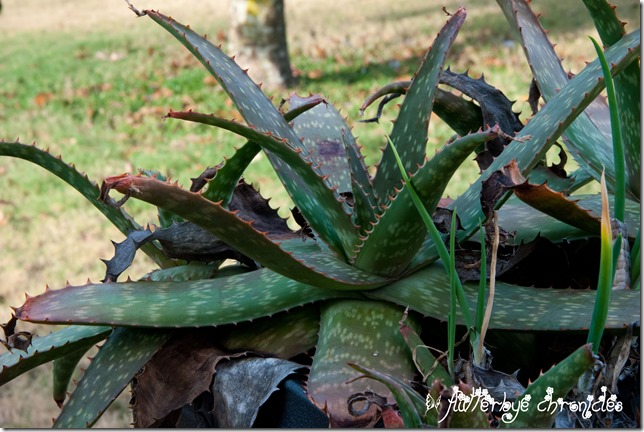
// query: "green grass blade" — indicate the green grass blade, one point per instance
point(121, 357)
point(616, 130)
point(453, 284)
point(627, 89)
point(47, 348)
point(522, 309)
point(547, 125)
point(84, 186)
point(540, 398)
point(480, 298)
point(199, 303)
point(409, 134)
point(288, 255)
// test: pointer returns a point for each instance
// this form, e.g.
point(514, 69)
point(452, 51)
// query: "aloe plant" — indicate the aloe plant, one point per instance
point(338, 287)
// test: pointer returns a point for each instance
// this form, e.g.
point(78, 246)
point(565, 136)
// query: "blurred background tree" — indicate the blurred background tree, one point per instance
point(258, 38)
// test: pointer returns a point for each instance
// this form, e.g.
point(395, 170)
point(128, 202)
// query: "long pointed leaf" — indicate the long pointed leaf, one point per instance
point(124, 353)
point(82, 184)
point(305, 262)
point(409, 134)
point(47, 348)
point(200, 303)
point(259, 112)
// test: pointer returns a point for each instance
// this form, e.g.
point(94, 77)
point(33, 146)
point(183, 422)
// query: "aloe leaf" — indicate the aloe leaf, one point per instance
point(410, 404)
point(283, 335)
point(402, 218)
point(124, 353)
point(82, 184)
point(228, 173)
point(591, 144)
point(364, 212)
point(425, 361)
point(259, 112)
point(288, 255)
point(329, 209)
point(371, 330)
point(199, 303)
point(627, 89)
point(64, 368)
point(47, 348)
point(322, 130)
point(191, 271)
point(522, 308)
point(409, 134)
point(534, 140)
point(540, 402)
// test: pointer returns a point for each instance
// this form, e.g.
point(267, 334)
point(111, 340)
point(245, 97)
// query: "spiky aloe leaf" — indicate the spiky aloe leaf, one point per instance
point(82, 184)
point(284, 335)
point(333, 224)
point(321, 130)
point(224, 177)
point(191, 271)
point(409, 134)
point(400, 228)
point(300, 172)
point(591, 144)
point(409, 402)
point(547, 125)
point(371, 330)
point(522, 308)
point(174, 304)
point(47, 348)
point(64, 368)
point(124, 353)
point(627, 89)
point(541, 398)
point(290, 256)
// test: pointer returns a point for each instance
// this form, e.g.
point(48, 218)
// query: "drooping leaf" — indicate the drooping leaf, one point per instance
point(371, 330)
point(541, 397)
point(199, 303)
point(286, 254)
point(47, 348)
point(242, 386)
point(333, 224)
point(125, 352)
point(178, 373)
point(531, 144)
point(522, 308)
point(82, 184)
point(409, 134)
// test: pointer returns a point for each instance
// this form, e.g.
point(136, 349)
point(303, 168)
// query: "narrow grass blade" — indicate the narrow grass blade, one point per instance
point(605, 280)
point(627, 89)
point(200, 303)
point(453, 287)
point(82, 184)
point(47, 348)
point(121, 357)
point(409, 134)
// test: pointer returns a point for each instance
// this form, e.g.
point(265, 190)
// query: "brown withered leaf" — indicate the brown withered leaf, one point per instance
point(548, 201)
point(178, 373)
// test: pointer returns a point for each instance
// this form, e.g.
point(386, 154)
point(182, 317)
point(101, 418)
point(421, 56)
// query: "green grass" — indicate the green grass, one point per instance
point(59, 88)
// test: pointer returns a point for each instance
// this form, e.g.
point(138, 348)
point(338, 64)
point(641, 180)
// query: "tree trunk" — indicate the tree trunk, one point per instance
point(258, 38)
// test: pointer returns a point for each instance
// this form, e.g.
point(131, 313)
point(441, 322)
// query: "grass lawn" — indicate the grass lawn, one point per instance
point(90, 81)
